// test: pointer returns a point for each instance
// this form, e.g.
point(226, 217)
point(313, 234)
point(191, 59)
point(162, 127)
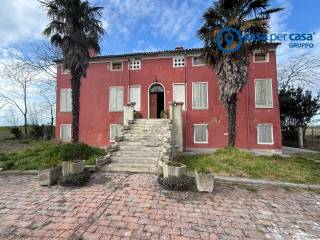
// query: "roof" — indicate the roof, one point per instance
point(179, 50)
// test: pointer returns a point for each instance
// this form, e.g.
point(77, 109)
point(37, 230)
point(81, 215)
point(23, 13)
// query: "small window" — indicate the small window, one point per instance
point(260, 56)
point(197, 61)
point(178, 62)
point(200, 133)
point(263, 93)
point(116, 66)
point(65, 70)
point(135, 64)
point(200, 95)
point(265, 133)
point(115, 131)
point(65, 132)
point(116, 99)
point(65, 100)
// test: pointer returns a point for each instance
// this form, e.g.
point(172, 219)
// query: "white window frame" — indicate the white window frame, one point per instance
point(65, 110)
point(112, 124)
point(202, 108)
point(184, 107)
point(65, 124)
point(197, 65)
point(194, 133)
point(260, 51)
point(121, 87)
point(178, 57)
point(116, 70)
point(272, 137)
point(135, 86)
point(65, 71)
point(134, 60)
point(255, 93)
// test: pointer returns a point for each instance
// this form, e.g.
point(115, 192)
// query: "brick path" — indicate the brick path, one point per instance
point(132, 206)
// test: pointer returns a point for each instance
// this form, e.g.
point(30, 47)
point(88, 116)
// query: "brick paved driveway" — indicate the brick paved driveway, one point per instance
point(132, 206)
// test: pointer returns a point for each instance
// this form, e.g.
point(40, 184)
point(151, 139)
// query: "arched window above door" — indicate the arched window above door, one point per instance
point(156, 88)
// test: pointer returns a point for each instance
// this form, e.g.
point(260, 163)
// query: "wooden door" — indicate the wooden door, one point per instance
point(153, 105)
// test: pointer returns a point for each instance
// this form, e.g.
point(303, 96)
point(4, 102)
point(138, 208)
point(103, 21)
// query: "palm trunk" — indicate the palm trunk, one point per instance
point(75, 83)
point(232, 117)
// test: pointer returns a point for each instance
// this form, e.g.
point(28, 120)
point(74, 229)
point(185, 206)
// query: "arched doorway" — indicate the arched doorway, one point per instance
point(156, 100)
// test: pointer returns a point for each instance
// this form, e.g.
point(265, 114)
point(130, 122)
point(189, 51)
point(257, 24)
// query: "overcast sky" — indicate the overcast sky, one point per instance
point(144, 25)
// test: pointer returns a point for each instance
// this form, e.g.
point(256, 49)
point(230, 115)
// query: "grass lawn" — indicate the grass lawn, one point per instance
point(42, 155)
point(232, 162)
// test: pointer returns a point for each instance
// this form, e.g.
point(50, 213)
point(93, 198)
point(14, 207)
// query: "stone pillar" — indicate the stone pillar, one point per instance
point(177, 126)
point(128, 113)
point(170, 109)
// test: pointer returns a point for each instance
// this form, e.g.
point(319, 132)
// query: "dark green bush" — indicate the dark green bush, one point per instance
point(182, 183)
point(72, 151)
point(37, 131)
point(16, 132)
point(74, 179)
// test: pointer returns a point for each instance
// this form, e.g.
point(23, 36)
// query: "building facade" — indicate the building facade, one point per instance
point(153, 79)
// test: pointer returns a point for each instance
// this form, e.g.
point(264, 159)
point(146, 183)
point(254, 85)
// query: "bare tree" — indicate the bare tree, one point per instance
point(302, 70)
point(18, 78)
point(11, 117)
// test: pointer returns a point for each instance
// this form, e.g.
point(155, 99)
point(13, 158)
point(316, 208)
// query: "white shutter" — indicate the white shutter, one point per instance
point(135, 96)
point(65, 132)
point(179, 94)
point(115, 131)
point(265, 133)
point(69, 99)
point(120, 99)
point(200, 133)
point(63, 104)
point(115, 99)
point(200, 95)
point(263, 93)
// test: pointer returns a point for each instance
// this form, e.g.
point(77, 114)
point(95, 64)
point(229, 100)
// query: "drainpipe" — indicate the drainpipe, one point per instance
point(185, 100)
point(128, 80)
point(248, 130)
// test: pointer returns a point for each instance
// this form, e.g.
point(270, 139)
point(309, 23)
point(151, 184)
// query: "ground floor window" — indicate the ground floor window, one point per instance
point(265, 133)
point(115, 131)
point(65, 132)
point(200, 133)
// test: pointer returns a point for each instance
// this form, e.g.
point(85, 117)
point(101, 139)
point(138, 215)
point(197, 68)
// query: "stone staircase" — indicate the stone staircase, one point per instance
point(141, 146)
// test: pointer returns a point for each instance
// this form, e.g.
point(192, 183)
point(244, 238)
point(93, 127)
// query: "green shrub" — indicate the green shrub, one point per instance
point(16, 132)
point(182, 183)
point(74, 179)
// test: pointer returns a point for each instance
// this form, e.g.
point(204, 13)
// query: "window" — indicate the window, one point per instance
point(115, 131)
point(200, 133)
point(260, 56)
point(179, 94)
point(200, 95)
point(265, 133)
point(135, 96)
point(116, 66)
point(197, 61)
point(116, 99)
point(65, 100)
point(178, 62)
point(65, 132)
point(263, 93)
point(65, 70)
point(135, 64)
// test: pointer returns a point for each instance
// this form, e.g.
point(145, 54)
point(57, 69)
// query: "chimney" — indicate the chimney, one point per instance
point(179, 48)
point(92, 53)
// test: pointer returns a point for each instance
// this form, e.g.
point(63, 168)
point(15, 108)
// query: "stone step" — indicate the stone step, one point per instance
point(135, 160)
point(136, 154)
point(115, 167)
point(140, 148)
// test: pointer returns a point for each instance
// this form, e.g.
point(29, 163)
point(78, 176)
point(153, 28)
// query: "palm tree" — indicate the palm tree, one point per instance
point(74, 28)
point(243, 17)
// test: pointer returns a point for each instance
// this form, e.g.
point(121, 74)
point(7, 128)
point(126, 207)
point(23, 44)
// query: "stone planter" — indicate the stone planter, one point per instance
point(173, 169)
point(49, 177)
point(72, 167)
point(204, 181)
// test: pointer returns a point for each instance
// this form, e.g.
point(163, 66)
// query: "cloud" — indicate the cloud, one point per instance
point(20, 20)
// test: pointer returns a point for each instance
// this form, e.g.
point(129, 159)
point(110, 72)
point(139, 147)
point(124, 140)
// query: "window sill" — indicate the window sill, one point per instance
point(200, 142)
point(264, 107)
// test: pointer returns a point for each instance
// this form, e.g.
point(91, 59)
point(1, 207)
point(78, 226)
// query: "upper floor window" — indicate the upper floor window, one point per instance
point(200, 95)
point(265, 133)
point(116, 99)
point(178, 61)
point(260, 56)
point(263, 93)
point(65, 100)
point(116, 66)
point(197, 61)
point(65, 70)
point(135, 64)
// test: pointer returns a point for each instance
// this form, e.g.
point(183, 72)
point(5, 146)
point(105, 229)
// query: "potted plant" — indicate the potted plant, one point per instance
point(173, 168)
point(73, 167)
point(48, 177)
point(204, 181)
